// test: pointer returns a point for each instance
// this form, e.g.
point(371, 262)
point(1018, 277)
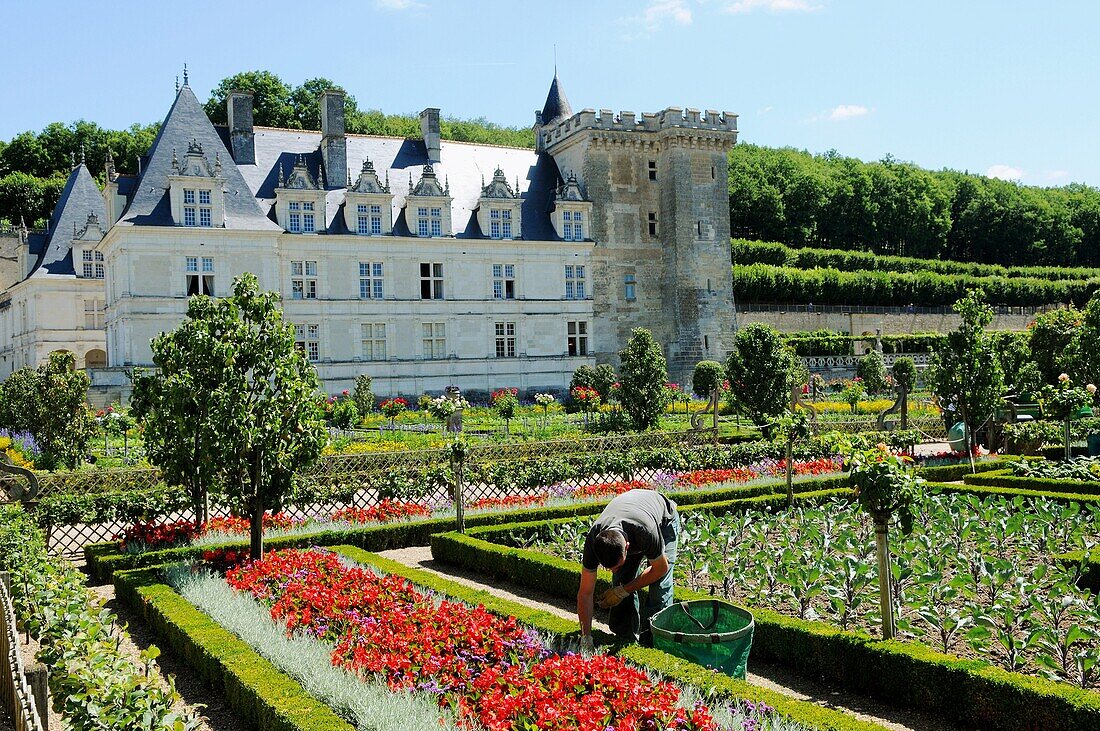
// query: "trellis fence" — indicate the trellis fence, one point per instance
point(24, 712)
point(359, 480)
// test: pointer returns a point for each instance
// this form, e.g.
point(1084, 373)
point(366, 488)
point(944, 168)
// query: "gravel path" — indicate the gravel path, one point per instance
point(772, 677)
point(197, 696)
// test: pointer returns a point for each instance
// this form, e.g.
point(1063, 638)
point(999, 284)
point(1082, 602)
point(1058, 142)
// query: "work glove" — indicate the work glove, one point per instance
point(588, 647)
point(612, 597)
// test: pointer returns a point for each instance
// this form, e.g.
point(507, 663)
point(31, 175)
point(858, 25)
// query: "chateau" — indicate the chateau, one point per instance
point(420, 262)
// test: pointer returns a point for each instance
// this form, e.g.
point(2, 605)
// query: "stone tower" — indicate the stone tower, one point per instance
point(660, 220)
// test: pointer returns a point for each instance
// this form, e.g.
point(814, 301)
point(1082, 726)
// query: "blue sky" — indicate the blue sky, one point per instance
point(1003, 88)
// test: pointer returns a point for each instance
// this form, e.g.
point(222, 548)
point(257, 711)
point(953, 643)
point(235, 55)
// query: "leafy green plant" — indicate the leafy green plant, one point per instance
point(643, 373)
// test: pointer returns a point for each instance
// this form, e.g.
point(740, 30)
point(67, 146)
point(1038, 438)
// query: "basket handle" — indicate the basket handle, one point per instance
point(700, 625)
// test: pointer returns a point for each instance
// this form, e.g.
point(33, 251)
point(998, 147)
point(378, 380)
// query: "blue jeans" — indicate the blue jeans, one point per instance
point(630, 619)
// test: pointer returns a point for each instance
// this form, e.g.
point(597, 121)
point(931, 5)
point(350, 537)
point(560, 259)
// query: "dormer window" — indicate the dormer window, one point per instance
point(368, 207)
point(498, 211)
point(300, 200)
point(431, 204)
point(571, 211)
point(196, 189)
point(92, 262)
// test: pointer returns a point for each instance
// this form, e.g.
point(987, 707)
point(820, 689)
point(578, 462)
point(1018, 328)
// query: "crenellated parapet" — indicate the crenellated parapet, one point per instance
point(709, 124)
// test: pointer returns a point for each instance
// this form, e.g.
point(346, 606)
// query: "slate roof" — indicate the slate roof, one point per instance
point(250, 189)
point(187, 121)
point(557, 105)
point(465, 167)
point(79, 198)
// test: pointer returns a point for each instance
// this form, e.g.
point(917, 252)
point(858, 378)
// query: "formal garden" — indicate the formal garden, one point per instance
point(318, 561)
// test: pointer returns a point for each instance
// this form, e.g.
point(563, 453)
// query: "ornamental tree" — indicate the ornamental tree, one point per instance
point(966, 371)
point(363, 395)
point(707, 378)
point(505, 402)
point(872, 370)
point(643, 373)
point(50, 402)
point(253, 393)
point(885, 487)
point(761, 371)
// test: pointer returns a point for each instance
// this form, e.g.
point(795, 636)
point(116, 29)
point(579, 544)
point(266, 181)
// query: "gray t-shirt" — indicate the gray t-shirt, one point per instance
point(639, 514)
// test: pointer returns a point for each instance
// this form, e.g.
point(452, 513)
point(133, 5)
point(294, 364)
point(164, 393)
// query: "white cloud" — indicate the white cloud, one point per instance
point(1004, 172)
point(842, 112)
point(1056, 175)
point(765, 110)
point(774, 6)
point(397, 4)
point(655, 15)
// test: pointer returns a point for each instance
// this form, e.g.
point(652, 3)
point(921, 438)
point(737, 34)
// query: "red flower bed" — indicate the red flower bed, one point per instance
point(699, 478)
point(157, 534)
point(489, 669)
point(510, 501)
point(382, 512)
point(234, 524)
point(610, 488)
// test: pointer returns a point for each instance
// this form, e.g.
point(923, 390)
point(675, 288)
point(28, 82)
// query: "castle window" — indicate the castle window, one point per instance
point(505, 339)
point(437, 222)
point(713, 173)
point(199, 282)
point(431, 281)
point(199, 214)
point(574, 282)
point(706, 343)
point(370, 220)
point(92, 262)
point(573, 226)
point(93, 314)
point(434, 340)
point(303, 283)
point(652, 169)
point(370, 280)
point(500, 223)
point(307, 339)
point(374, 340)
point(699, 229)
point(652, 224)
point(576, 337)
point(629, 288)
point(294, 222)
point(504, 281)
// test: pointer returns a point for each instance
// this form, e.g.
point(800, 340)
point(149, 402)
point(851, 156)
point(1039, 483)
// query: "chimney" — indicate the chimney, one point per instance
point(242, 139)
point(429, 127)
point(334, 145)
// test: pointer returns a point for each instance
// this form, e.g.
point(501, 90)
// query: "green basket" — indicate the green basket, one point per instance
point(709, 632)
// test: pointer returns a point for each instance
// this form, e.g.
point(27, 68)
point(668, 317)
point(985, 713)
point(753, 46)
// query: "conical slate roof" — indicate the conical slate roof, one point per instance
point(186, 123)
point(79, 198)
point(557, 105)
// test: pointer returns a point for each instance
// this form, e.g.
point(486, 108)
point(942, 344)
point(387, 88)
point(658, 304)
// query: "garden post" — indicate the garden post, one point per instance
point(460, 501)
point(1066, 434)
point(966, 433)
point(885, 587)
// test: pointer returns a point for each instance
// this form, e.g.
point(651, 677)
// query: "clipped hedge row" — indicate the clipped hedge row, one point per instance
point(64, 508)
point(827, 342)
point(1005, 478)
point(971, 692)
point(745, 251)
point(668, 666)
point(766, 283)
point(1090, 571)
point(1010, 492)
point(254, 688)
point(952, 472)
point(104, 559)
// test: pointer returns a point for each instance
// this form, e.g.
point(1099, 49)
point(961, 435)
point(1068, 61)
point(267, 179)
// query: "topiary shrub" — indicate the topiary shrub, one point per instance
point(642, 378)
point(707, 377)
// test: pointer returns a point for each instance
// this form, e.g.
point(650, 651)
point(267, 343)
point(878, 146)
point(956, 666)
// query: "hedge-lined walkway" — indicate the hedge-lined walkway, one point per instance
point(767, 676)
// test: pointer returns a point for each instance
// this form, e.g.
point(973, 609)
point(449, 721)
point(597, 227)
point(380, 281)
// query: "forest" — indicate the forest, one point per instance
point(825, 201)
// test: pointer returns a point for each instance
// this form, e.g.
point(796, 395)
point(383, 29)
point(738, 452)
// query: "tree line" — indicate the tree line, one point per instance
point(891, 207)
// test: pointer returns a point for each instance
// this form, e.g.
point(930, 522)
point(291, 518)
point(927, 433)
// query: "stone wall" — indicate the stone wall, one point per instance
point(870, 324)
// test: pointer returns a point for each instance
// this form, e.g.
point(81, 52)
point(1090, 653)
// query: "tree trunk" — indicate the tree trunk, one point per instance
point(1069, 447)
point(790, 472)
point(885, 587)
point(256, 529)
point(460, 500)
